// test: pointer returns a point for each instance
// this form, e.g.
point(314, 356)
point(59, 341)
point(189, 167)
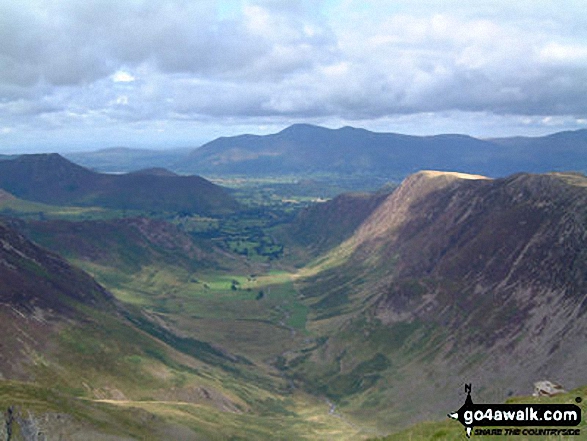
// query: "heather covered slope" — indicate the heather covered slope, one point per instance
point(38, 292)
point(452, 279)
point(126, 244)
point(32, 278)
point(51, 179)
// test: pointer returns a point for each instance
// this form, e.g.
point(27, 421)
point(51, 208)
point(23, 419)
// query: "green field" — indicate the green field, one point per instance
point(38, 211)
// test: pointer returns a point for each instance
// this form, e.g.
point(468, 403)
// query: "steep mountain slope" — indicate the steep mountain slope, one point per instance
point(127, 244)
point(25, 267)
point(306, 149)
point(52, 179)
point(320, 227)
point(452, 279)
point(70, 335)
point(38, 290)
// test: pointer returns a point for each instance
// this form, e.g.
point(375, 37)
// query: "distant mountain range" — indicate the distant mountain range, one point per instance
point(123, 159)
point(52, 179)
point(307, 149)
point(311, 149)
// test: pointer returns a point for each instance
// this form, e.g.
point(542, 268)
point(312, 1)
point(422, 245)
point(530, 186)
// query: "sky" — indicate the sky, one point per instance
point(84, 75)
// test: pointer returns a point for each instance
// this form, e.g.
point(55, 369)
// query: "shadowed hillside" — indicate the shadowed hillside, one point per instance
point(51, 179)
point(25, 268)
point(321, 227)
point(307, 149)
point(127, 244)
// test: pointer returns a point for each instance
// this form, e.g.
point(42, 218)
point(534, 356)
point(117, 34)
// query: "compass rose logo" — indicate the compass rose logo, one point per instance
point(467, 407)
point(517, 414)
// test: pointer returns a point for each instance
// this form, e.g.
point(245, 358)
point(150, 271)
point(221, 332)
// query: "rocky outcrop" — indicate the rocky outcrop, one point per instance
point(547, 388)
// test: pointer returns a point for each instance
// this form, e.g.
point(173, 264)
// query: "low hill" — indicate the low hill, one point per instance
point(307, 149)
point(154, 171)
point(452, 279)
point(124, 159)
point(51, 179)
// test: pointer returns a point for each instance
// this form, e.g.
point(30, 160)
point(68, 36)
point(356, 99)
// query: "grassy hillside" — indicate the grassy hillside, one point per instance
point(11, 206)
point(450, 430)
point(321, 227)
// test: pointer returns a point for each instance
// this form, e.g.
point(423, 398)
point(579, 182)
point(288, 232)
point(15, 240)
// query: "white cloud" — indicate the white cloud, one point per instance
point(122, 100)
point(114, 62)
point(122, 77)
point(564, 53)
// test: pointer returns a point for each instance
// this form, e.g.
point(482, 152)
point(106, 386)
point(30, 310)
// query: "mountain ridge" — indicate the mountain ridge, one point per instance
point(52, 179)
point(305, 148)
point(453, 281)
point(302, 149)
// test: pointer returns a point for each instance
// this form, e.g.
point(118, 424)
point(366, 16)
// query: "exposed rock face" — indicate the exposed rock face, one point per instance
point(547, 389)
point(24, 425)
